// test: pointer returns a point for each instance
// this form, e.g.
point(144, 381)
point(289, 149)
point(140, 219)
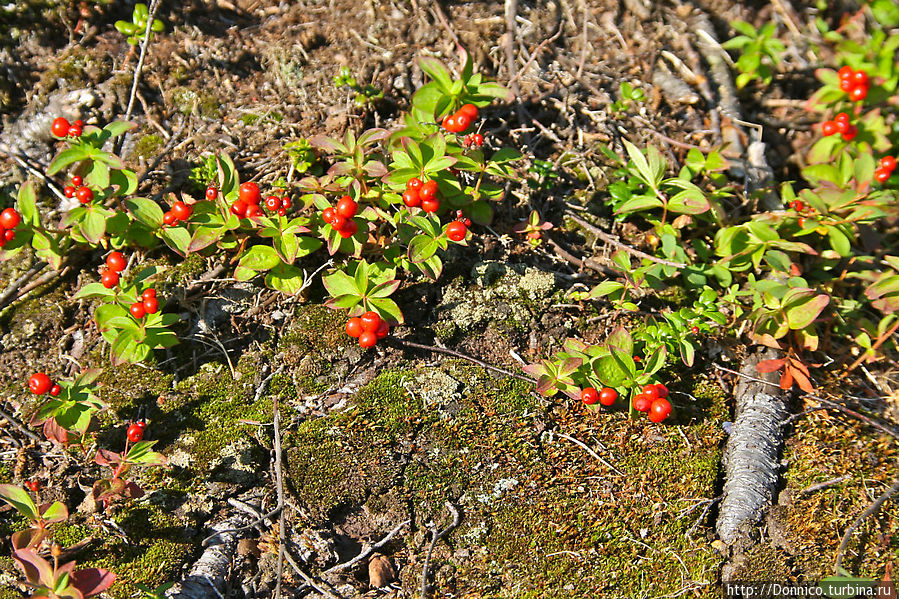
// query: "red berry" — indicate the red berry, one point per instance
point(33, 486)
point(116, 262)
point(137, 310)
point(462, 122)
point(607, 396)
point(77, 181)
point(383, 330)
point(469, 110)
point(414, 183)
point(60, 127)
point(273, 203)
point(84, 194)
point(348, 230)
point(845, 72)
point(354, 327)
point(151, 305)
point(842, 126)
point(858, 93)
point(239, 208)
point(651, 391)
point(55, 390)
point(338, 222)
point(477, 140)
point(850, 133)
point(328, 215)
point(589, 396)
point(286, 203)
point(449, 123)
point(211, 193)
point(69, 191)
point(456, 231)
point(9, 235)
point(428, 190)
point(842, 118)
point(253, 210)
point(801, 222)
point(846, 84)
point(430, 205)
point(78, 123)
point(370, 321)
point(135, 433)
point(411, 198)
point(881, 174)
point(249, 193)
point(282, 212)
point(39, 383)
point(109, 278)
point(659, 410)
point(346, 207)
point(828, 128)
point(169, 219)
point(642, 403)
point(888, 162)
point(859, 78)
point(9, 219)
point(694, 330)
point(181, 210)
point(367, 339)
point(74, 131)
point(148, 293)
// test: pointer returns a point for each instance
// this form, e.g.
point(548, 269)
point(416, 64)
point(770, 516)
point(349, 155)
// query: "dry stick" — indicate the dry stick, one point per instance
point(34, 171)
point(140, 60)
point(364, 554)
point(309, 580)
point(823, 485)
point(436, 536)
point(21, 427)
point(15, 285)
point(536, 51)
point(45, 278)
point(438, 11)
point(583, 446)
point(880, 341)
point(279, 478)
point(511, 8)
point(609, 239)
point(455, 354)
point(872, 509)
point(253, 524)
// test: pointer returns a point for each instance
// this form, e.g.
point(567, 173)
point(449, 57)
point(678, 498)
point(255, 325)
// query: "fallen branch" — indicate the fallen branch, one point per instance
point(7, 296)
point(872, 509)
point(609, 239)
point(455, 354)
point(19, 426)
point(365, 553)
point(436, 536)
point(583, 446)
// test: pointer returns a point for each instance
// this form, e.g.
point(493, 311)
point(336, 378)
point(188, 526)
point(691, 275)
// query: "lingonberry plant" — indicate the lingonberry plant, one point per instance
point(70, 408)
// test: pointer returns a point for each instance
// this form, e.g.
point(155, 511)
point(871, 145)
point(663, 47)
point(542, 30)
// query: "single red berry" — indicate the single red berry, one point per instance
point(253, 210)
point(273, 203)
point(638, 359)
point(858, 93)
point(354, 327)
point(859, 78)
point(249, 193)
point(850, 133)
point(349, 229)
point(370, 321)
point(694, 330)
point(456, 231)
point(607, 396)
point(211, 193)
point(659, 410)
point(368, 339)
point(828, 128)
point(469, 110)
point(74, 131)
point(239, 208)
point(78, 123)
point(39, 383)
point(151, 305)
point(888, 162)
point(801, 222)
point(282, 212)
point(181, 210)
point(169, 218)
point(9, 235)
point(84, 194)
point(346, 207)
point(77, 181)
point(135, 433)
point(148, 293)
point(286, 203)
point(9, 219)
point(841, 118)
point(383, 330)
point(846, 84)
point(55, 390)
point(845, 72)
point(462, 122)
point(116, 262)
point(60, 127)
point(449, 123)
point(842, 126)
point(33, 486)
point(411, 198)
point(430, 205)
point(642, 403)
point(137, 310)
point(881, 174)
point(339, 222)
point(651, 391)
point(109, 278)
point(69, 191)
point(428, 190)
point(663, 390)
point(328, 215)
point(477, 140)
point(589, 396)
point(414, 183)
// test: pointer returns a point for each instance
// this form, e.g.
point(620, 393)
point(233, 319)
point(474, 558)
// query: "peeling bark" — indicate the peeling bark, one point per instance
point(209, 575)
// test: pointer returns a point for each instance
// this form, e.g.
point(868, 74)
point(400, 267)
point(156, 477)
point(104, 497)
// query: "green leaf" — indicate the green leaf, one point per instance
point(177, 238)
point(422, 247)
point(339, 283)
point(93, 227)
point(608, 370)
point(437, 71)
point(644, 171)
point(638, 203)
point(20, 500)
point(93, 290)
point(145, 211)
point(388, 309)
point(689, 201)
point(801, 315)
point(65, 158)
point(286, 278)
point(260, 257)
point(655, 361)
point(27, 203)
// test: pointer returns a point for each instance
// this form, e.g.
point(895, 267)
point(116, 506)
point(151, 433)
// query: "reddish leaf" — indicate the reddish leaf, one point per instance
point(92, 581)
point(770, 365)
point(786, 379)
point(804, 383)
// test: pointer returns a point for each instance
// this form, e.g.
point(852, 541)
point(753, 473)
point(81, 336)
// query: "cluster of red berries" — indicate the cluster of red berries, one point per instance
point(458, 229)
point(248, 199)
point(422, 195)
point(277, 205)
point(78, 190)
point(606, 396)
point(854, 83)
point(135, 431)
point(368, 328)
point(40, 383)
point(885, 169)
point(62, 128)
point(797, 205)
point(341, 216)
point(147, 304)
point(177, 213)
point(461, 119)
point(33, 485)
point(115, 263)
point(9, 220)
point(473, 140)
point(840, 124)
point(653, 400)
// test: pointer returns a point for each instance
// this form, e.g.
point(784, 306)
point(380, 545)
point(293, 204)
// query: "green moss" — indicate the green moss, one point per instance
point(187, 270)
point(188, 101)
point(147, 146)
point(67, 534)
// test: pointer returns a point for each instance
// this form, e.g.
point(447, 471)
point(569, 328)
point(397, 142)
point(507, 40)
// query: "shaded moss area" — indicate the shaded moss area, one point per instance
point(539, 511)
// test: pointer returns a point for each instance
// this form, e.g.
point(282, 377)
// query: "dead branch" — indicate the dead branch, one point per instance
point(872, 509)
point(436, 536)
